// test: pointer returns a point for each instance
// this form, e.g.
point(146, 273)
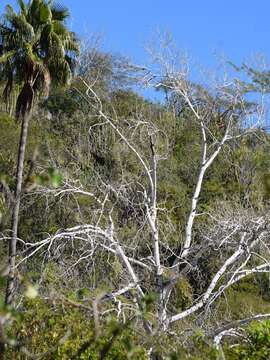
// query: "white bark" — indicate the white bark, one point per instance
point(206, 296)
point(205, 164)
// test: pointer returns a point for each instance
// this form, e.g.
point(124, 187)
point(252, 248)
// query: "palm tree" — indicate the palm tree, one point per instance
point(36, 51)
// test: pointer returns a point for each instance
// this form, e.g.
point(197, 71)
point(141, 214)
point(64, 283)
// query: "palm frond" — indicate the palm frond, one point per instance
point(60, 72)
point(36, 49)
point(45, 13)
point(9, 83)
point(19, 24)
point(33, 14)
point(59, 12)
point(42, 80)
point(10, 11)
point(60, 29)
point(73, 46)
point(56, 48)
point(6, 56)
point(22, 6)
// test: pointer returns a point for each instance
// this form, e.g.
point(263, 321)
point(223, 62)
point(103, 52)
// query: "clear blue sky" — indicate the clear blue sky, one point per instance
point(238, 29)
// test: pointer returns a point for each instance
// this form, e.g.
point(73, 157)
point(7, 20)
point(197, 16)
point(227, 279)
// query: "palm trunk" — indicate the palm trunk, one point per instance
point(2, 343)
point(15, 212)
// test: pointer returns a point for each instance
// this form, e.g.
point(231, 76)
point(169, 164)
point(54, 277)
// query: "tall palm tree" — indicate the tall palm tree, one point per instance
point(36, 51)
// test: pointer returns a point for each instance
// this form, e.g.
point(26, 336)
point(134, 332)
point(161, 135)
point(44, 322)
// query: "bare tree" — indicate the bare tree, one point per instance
point(237, 240)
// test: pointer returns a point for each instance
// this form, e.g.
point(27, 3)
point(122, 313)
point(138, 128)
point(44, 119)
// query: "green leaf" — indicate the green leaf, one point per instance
point(4, 58)
point(22, 6)
point(44, 13)
point(56, 180)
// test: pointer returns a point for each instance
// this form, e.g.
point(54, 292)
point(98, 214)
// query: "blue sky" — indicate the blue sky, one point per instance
point(236, 29)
